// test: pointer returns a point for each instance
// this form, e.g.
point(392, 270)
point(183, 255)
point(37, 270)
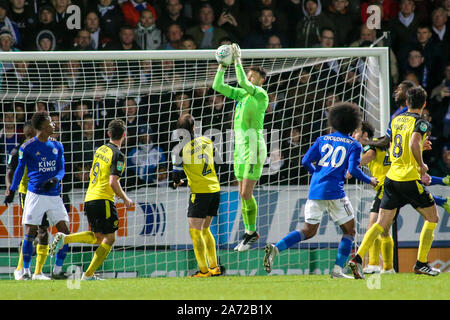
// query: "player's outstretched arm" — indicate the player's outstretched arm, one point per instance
point(354, 161)
point(312, 155)
point(220, 86)
point(240, 73)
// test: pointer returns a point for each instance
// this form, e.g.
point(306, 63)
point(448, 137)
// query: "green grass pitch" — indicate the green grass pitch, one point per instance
point(310, 287)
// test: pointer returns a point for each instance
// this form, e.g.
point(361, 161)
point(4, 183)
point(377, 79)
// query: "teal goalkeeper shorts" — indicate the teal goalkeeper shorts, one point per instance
point(248, 165)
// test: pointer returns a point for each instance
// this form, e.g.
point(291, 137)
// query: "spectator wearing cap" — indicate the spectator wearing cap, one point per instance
point(309, 26)
point(6, 40)
point(5, 21)
point(205, 33)
point(148, 36)
point(144, 159)
point(6, 44)
point(132, 11)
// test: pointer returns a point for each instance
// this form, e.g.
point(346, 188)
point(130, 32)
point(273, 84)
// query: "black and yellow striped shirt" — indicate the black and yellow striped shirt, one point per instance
point(404, 166)
point(197, 161)
point(108, 160)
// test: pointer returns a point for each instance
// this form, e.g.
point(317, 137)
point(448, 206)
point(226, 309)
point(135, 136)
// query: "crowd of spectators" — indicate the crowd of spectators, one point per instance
point(420, 52)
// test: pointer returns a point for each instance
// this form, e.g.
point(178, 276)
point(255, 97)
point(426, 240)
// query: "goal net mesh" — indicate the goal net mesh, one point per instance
point(149, 94)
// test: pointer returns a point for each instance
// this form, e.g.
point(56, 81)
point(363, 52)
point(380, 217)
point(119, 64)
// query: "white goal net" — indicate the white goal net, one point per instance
point(149, 90)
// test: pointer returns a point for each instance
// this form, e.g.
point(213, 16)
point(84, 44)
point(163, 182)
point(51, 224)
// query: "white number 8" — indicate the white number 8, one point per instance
point(330, 151)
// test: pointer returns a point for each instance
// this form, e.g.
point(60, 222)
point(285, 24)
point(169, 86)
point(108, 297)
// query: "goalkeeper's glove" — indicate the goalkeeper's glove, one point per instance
point(50, 183)
point(236, 53)
point(222, 67)
point(9, 198)
point(177, 179)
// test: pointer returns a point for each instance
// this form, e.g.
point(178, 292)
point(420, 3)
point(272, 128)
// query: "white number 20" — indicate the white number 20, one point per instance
point(333, 153)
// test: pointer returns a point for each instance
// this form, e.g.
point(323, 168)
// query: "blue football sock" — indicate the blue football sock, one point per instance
point(61, 255)
point(344, 250)
point(291, 239)
point(436, 180)
point(27, 251)
point(439, 200)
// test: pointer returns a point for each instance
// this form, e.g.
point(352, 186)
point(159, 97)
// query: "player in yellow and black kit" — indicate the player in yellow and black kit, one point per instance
point(403, 184)
point(107, 168)
point(196, 159)
point(378, 161)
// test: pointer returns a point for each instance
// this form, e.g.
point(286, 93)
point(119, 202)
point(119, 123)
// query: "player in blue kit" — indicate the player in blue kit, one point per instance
point(44, 160)
point(334, 154)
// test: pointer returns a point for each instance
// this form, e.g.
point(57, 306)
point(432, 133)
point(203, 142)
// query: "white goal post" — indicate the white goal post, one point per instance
point(153, 88)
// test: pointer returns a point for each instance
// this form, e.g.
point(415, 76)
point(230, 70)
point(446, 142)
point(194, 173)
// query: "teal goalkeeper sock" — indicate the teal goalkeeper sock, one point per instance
point(251, 212)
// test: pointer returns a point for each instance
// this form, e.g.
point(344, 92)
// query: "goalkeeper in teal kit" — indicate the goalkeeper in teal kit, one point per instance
point(250, 150)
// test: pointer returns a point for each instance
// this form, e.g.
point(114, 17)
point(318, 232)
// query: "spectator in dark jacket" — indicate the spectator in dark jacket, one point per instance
point(23, 17)
point(5, 21)
point(337, 12)
point(47, 22)
point(258, 39)
point(173, 14)
point(111, 18)
point(205, 33)
point(403, 28)
point(433, 54)
point(441, 33)
point(314, 20)
point(92, 24)
point(83, 41)
point(232, 19)
point(174, 34)
point(416, 65)
point(126, 40)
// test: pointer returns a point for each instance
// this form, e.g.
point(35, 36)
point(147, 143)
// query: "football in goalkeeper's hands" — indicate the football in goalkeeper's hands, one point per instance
point(224, 55)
